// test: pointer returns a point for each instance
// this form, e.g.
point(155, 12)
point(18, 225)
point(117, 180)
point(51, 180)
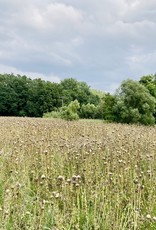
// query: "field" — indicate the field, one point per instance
point(57, 175)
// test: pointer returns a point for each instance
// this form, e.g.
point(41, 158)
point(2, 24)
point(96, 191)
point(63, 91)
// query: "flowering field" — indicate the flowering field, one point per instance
point(57, 175)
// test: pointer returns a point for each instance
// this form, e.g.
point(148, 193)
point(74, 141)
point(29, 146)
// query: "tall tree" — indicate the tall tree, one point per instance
point(74, 90)
point(149, 82)
point(134, 104)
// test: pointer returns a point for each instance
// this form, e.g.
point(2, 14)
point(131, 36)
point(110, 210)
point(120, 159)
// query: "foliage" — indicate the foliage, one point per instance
point(22, 96)
point(98, 93)
point(88, 111)
point(74, 90)
point(134, 104)
point(104, 109)
point(53, 114)
point(71, 112)
point(69, 115)
point(149, 82)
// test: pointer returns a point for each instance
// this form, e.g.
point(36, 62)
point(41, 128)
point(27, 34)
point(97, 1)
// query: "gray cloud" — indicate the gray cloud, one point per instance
point(101, 42)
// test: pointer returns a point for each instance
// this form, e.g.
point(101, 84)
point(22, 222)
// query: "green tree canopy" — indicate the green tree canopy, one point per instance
point(70, 112)
point(74, 90)
point(149, 82)
point(22, 96)
point(88, 111)
point(134, 104)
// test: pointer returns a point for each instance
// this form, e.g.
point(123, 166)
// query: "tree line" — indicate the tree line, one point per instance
point(133, 101)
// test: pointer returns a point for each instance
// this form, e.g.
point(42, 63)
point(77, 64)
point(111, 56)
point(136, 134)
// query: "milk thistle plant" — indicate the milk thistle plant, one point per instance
point(59, 175)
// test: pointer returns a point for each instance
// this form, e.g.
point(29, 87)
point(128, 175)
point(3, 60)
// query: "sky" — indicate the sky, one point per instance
point(101, 42)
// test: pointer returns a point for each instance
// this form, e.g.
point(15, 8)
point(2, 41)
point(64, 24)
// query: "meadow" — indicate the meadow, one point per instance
point(59, 175)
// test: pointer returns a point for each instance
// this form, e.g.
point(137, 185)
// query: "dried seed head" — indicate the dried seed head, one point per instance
point(60, 178)
point(42, 207)
point(142, 186)
point(18, 185)
point(7, 191)
point(45, 152)
point(68, 181)
point(43, 177)
point(79, 177)
point(6, 212)
point(135, 181)
point(148, 216)
point(74, 177)
point(43, 202)
point(57, 195)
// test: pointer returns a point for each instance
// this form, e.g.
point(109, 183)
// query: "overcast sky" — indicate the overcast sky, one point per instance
point(101, 42)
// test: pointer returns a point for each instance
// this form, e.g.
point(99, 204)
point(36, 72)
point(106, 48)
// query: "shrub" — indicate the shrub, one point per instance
point(53, 114)
point(88, 111)
point(71, 112)
point(69, 115)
